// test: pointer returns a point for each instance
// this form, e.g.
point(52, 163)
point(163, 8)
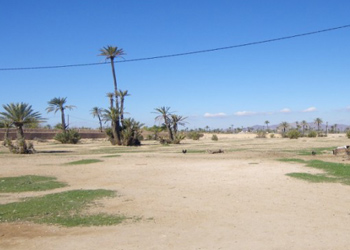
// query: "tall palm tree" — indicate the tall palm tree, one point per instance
point(59, 104)
point(267, 124)
point(20, 114)
point(284, 126)
point(111, 52)
point(165, 117)
point(177, 120)
point(318, 121)
point(97, 112)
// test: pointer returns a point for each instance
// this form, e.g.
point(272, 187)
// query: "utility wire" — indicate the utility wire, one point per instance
point(185, 53)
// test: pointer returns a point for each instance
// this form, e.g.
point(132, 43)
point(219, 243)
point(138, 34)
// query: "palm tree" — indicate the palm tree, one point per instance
point(122, 95)
point(165, 117)
point(318, 121)
point(20, 114)
point(111, 115)
point(177, 120)
point(284, 126)
point(97, 112)
point(111, 99)
point(59, 104)
point(304, 125)
point(111, 52)
point(267, 124)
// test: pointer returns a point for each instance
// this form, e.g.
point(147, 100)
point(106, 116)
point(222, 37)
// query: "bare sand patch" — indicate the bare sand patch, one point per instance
point(240, 199)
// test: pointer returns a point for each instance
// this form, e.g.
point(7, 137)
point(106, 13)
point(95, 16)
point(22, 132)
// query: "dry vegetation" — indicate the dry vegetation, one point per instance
point(239, 199)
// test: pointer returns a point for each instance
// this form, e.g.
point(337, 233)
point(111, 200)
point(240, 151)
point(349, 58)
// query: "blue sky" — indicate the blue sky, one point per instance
point(290, 80)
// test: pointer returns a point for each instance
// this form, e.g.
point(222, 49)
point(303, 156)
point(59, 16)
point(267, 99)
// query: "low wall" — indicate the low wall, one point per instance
point(47, 134)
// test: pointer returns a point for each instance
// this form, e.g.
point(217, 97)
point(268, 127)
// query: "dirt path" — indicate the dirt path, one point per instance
point(241, 199)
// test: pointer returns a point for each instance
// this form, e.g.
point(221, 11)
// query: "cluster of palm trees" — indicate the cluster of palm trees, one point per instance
point(172, 122)
point(123, 131)
point(303, 125)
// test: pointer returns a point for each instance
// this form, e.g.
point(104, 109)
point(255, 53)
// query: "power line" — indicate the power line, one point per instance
point(184, 53)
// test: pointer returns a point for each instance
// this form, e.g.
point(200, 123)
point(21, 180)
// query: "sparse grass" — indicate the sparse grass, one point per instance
point(193, 151)
point(64, 209)
point(29, 183)
point(334, 172)
point(83, 162)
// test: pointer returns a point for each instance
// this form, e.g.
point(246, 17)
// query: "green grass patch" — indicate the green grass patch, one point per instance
point(29, 183)
point(110, 156)
point(313, 177)
point(83, 162)
point(66, 209)
point(333, 172)
point(292, 160)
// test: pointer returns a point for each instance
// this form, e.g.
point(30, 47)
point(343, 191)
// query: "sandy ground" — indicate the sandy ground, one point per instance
point(241, 199)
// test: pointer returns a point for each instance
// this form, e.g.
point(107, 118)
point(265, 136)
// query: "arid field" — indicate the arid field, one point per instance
point(239, 199)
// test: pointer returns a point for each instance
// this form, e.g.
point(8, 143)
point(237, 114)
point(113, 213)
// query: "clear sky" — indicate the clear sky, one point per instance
point(289, 80)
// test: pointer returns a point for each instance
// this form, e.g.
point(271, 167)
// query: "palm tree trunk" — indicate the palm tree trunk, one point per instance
point(21, 143)
point(63, 121)
point(100, 121)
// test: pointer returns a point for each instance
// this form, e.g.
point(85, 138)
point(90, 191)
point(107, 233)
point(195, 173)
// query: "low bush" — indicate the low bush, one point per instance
point(214, 138)
point(348, 134)
point(70, 137)
point(194, 135)
point(293, 134)
point(261, 134)
point(312, 134)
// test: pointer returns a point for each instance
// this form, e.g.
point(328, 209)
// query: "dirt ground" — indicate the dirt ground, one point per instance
point(240, 199)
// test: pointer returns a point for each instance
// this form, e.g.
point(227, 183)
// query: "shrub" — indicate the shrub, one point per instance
point(312, 134)
point(261, 134)
point(293, 134)
point(348, 134)
point(214, 138)
point(70, 137)
point(272, 135)
point(194, 135)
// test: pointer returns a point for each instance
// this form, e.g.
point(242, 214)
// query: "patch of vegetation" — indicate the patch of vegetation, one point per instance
point(82, 162)
point(293, 134)
point(318, 151)
point(334, 172)
point(312, 134)
point(69, 136)
point(261, 134)
point(214, 138)
point(194, 135)
point(348, 134)
point(29, 183)
point(313, 177)
point(64, 209)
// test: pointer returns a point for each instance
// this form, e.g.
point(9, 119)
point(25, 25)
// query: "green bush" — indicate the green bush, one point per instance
point(293, 134)
point(272, 135)
point(194, 135)
point(70, 137)
point(214, 138)
point(348, 134)
point(312, 134)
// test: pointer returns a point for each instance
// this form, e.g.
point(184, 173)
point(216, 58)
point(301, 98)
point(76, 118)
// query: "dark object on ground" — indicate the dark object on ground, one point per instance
point(313, 153)
point(215, 151)
point(184, 151)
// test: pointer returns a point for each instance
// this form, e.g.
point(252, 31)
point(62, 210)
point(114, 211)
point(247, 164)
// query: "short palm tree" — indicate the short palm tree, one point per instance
point(122, 95)
point(318, 121)
point(20, 114)
point(284, 126)
point(97, 112)
point(177, 120)
point(304, 125)
point(165, 117)
point(59, 104)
